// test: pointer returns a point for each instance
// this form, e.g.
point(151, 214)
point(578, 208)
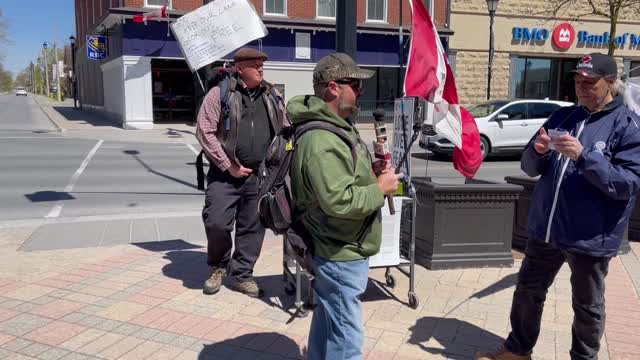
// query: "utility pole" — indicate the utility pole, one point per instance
point(32, 77)
point(46, 70)
point(346, 27)
point(400, 51)
point(55, 51)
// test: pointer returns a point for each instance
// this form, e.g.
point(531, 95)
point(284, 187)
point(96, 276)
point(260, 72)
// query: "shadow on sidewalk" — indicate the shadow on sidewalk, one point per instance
point(79, 116)
point(254, 346)
point(458, 340)
point(190, 266)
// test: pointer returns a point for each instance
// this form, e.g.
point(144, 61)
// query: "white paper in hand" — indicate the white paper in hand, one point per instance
point(554, 134)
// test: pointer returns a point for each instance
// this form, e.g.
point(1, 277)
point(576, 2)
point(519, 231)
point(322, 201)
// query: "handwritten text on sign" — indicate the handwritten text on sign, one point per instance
point(216, 29)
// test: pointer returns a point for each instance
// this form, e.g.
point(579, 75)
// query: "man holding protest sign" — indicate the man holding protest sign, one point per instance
point(237, 121)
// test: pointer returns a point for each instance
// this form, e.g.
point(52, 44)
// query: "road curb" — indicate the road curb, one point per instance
point(47, 110)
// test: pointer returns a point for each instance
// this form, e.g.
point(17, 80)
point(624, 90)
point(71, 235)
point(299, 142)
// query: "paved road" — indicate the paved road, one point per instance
point(21, 114)
point(53, 175)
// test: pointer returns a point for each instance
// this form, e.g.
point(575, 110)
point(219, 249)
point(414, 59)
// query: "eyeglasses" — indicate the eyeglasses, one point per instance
point(355, 84)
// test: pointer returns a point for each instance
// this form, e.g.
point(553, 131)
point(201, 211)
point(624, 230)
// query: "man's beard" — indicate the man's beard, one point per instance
point(353, 109)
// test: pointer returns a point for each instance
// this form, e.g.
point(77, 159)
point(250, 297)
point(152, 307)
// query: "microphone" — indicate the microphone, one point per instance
point(381, 147)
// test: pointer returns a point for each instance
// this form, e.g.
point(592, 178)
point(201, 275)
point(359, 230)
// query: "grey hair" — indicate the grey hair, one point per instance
point(618, 88)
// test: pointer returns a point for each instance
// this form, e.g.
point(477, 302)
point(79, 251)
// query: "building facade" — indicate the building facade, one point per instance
point(533, 51)
point(145, 80)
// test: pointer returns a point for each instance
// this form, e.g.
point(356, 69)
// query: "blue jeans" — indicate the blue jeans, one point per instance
point(337, 332)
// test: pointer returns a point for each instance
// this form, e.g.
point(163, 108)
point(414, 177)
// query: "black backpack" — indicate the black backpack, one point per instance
point(221, 78)
point(274, 198)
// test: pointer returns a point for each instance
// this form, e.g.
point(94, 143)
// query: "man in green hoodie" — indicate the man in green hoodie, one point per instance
point(339, 206)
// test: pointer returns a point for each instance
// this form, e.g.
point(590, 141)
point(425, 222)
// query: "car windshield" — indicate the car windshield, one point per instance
point(486, 108)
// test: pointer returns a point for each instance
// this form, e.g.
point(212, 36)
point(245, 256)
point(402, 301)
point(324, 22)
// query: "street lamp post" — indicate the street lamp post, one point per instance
point(58, 91)
point(46, 70)
point(72, 40)
point(492, 6)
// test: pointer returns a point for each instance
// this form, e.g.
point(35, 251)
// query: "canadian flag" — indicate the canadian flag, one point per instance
point(429, 76)
point(160, 13)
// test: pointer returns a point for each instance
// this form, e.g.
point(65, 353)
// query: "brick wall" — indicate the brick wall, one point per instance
point(471, 76)
point(187, 5)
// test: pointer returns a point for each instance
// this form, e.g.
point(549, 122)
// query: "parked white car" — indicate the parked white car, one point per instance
point(21, 91)
point(506, 126)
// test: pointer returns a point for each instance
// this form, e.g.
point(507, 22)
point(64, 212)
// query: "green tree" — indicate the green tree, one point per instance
point(4, 37)
point(23, 78)
point(6, 79)
point(609, 9)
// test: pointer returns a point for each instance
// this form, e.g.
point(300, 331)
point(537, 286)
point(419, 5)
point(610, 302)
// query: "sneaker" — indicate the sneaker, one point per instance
point(249, 287)
point(214, 282)
point(502, 354)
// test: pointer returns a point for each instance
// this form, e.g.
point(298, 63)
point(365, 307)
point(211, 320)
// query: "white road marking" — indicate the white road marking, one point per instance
point(57, 209)
point(193, 149)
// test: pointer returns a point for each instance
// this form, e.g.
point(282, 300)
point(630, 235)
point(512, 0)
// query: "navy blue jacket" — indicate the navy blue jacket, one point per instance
point(584, 206)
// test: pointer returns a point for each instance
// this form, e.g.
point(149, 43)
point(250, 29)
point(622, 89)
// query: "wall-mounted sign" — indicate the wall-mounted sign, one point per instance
point(533, 34)
point(564, 35)
point(96, 47)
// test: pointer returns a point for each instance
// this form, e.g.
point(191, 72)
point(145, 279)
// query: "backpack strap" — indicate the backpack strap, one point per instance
point(200, 170)
point(225, 90)
point(323, 125)
point(225, 110)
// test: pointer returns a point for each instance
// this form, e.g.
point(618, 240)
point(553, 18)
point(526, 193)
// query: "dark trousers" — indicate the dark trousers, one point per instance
point(230, 201)
point(539, 268)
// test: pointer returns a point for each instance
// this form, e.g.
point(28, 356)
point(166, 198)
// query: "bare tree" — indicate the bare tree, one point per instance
point(610, 9)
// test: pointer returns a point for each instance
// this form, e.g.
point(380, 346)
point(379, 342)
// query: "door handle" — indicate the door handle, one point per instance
point(524, 124)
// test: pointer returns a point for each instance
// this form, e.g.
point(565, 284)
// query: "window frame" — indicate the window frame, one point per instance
point(531, 106)
point(385, 5)
point(506, 107)
point(335, 10)
point(284, 8)
point(147, 5)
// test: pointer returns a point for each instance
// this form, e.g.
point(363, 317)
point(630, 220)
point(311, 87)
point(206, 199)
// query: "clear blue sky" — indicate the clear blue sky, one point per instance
point(31, 22)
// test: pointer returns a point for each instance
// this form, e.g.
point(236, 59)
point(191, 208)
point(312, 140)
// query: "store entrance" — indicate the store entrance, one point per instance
point(173, 91)
point(542, 78)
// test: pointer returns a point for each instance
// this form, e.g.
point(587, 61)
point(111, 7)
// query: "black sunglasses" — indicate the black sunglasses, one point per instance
point(355, 84)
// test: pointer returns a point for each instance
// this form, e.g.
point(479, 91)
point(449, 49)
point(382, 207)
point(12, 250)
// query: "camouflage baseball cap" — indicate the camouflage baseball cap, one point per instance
point(338, 66)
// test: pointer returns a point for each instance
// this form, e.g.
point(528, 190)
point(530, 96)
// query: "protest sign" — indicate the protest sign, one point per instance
point(216, 29)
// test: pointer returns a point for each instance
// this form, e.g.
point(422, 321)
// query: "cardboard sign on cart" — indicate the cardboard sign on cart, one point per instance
point(389, 254)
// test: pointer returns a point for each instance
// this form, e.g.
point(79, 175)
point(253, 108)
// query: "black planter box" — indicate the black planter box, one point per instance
point(521, 217)
point(464, 225)
point(634, 223)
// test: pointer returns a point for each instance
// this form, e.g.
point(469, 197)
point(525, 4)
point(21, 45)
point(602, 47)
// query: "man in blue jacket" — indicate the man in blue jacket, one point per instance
point(588, 159)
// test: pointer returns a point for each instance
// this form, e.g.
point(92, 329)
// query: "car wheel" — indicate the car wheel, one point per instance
point(484, 147)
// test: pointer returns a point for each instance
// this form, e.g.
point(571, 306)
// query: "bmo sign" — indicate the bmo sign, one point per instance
point(563, 35)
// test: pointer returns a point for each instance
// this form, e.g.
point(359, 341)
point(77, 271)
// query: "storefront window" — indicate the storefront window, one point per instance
point(539, 78)
point(635, 69)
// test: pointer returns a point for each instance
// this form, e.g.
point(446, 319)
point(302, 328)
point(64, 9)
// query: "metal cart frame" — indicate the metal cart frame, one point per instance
point(293, 281)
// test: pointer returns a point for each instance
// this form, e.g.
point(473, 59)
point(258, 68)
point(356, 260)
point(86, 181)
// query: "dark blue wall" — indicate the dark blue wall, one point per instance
point(373, 49)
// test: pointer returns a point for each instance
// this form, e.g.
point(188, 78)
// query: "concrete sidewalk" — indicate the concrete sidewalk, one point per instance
point(145, 301)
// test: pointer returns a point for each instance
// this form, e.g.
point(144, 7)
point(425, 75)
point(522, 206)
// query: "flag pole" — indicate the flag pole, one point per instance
point(200, 81)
